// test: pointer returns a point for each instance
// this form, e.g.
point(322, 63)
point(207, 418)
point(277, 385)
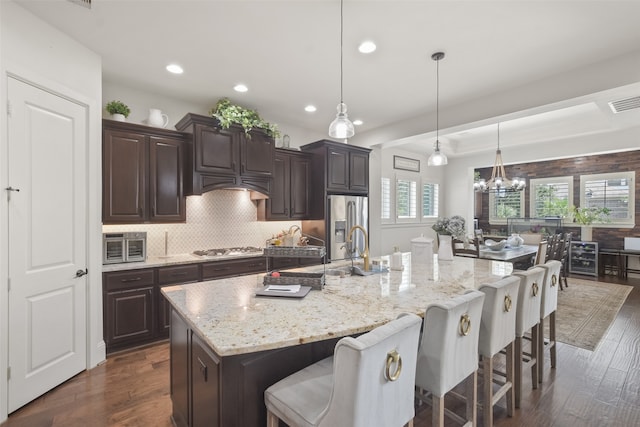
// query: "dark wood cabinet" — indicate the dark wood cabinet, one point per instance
point(341, 168)
point(205, 383)
point(289, 198)
point(226, 158)
point(143, 172)
point(134, 310)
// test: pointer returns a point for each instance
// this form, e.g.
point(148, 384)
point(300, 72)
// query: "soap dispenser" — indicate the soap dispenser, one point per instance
point(396, 259)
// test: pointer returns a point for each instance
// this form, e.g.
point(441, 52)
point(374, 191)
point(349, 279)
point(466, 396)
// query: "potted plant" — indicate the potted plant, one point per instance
point(119, 111)
point(585, 216)
point(230, 114)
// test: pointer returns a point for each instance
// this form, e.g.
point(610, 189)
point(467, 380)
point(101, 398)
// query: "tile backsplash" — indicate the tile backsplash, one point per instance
point(217, 219)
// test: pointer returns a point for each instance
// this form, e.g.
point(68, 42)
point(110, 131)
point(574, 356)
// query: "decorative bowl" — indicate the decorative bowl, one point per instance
point(495, 246)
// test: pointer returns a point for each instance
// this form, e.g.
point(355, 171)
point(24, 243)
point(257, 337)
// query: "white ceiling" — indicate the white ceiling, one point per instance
point(288, 54)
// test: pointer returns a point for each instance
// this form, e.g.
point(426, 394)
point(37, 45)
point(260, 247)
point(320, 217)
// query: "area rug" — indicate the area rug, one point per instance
point(586, 310)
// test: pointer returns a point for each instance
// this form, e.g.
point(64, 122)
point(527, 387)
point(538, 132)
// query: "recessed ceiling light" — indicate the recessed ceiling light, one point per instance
point(310, 108)
point(357, 122)
point(175, 69)
point(367, 46)
point(240, 88)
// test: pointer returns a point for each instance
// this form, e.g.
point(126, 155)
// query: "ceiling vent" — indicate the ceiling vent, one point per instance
point(625, 104)
point(85, 3)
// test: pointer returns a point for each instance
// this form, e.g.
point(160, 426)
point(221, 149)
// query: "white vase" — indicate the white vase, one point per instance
point(445, 247)
point(157, 118)
point(585, 233)
point(515, 240)
point(118, 117)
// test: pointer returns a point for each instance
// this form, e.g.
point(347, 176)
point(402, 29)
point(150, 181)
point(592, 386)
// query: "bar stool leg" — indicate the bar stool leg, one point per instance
point(535, 357)
point(552, 337)
point(510, 378)
point(540, 343)
point(487, 380)
point(517, 365)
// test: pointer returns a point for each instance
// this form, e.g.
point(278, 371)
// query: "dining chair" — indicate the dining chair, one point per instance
point(562, 255)
point(498, 333)
point(541, 255)
point(527, 319)
point(369, 381)
point(448, 354)
point(548, 308)
point(470, 249)
point(531, 238)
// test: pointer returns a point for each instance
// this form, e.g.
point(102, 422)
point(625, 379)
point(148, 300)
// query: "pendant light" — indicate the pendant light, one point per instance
point(437, 158)
point(499, 183)
point(341, 127)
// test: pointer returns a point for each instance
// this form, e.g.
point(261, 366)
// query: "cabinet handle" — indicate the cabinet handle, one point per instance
point(233, 165)
point(203, 369)
point(286, 211)
point(140, 211)
point(222, 269)
point(135, 279)
point(178, 274)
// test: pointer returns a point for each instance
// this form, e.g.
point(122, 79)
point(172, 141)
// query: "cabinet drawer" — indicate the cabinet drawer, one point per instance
point(129, 279)
point(178, 274)
point(219, 269)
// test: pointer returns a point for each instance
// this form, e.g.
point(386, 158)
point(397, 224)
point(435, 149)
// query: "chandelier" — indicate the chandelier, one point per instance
point(499, 183)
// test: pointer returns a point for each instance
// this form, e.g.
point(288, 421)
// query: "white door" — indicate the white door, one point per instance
point(47, 240)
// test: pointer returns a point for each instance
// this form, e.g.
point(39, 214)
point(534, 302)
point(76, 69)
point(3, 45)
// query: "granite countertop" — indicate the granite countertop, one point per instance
point(233, 320)
point(163, 261)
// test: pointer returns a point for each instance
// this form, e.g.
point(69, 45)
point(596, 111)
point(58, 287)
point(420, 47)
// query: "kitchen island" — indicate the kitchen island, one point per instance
point(228, 345)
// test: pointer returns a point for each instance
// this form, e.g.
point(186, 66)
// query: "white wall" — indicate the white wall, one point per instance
point(140, 102)
point(37, 52)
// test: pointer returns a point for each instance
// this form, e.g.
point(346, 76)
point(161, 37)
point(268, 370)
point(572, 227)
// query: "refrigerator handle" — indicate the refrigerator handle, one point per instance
point(351, 221)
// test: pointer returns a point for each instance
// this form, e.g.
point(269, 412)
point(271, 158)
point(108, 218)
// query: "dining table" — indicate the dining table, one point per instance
point(509, 253)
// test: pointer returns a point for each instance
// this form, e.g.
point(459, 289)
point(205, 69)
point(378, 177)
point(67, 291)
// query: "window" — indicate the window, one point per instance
point(615, 191)
point(505, 204)
point(385, 196)
point(551, 197)
point(406, 199)
point(401, 205)
point(430, 200)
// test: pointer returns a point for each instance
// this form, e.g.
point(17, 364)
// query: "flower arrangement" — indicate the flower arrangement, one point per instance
point(454, 226)
point(587, 216)
point(228, 114)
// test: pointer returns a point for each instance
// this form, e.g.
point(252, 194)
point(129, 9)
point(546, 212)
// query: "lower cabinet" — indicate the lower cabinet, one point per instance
point(134, 310)
point(205, 380)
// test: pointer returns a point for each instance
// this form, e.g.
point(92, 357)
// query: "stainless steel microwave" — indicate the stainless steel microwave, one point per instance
point(124, 247)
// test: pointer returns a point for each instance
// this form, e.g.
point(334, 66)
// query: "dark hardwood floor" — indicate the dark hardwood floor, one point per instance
point(599, 388)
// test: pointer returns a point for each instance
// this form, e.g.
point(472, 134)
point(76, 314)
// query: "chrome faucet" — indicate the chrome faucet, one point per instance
point(365, 254)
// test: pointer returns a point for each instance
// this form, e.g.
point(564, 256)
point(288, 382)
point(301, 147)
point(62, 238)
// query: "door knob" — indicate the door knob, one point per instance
point(81, 273)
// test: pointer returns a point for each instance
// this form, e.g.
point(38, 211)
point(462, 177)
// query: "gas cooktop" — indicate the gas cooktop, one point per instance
point(245, 250)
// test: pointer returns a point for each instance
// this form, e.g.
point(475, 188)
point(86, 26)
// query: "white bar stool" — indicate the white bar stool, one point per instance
point(498, 332)
point(369, 381)
point(449, 353)
point(548, 307)
point(527, 318)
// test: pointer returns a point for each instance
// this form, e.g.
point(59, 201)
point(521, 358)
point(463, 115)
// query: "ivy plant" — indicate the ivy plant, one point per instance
point(230, 114)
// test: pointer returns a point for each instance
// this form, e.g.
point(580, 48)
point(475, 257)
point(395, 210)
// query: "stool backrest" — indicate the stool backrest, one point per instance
point(529, 299)
point(541, 255)
point(449, 348)
point(366, 391)
point(498, 315)
point(549, 302)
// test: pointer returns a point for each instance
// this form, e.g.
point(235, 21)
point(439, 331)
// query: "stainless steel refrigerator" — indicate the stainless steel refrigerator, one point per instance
point(345, 212)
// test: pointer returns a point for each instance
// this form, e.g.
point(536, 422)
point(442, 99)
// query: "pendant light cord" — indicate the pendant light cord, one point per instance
point(437, 104)
point(341, 35)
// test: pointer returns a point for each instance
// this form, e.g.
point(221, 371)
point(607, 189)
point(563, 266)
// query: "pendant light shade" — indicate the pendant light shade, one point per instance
point(437, 158)
point(341, 127)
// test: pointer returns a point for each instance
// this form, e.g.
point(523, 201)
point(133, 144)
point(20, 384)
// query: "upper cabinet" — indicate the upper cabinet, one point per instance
point(143, 175)
point(226, 158)
point(289, 198)
point(344, 168)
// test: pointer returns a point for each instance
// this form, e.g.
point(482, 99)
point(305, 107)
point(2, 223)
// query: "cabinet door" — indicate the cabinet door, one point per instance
point(300, 176)
point(128, 317)
point(278, 201)
point(166, 186)
point(205, 380)
point(179, 369)
point(359, 172)
point(216, 150)
point(337, 169)
point(178, 274)
point(124, 176)
point(257, 154)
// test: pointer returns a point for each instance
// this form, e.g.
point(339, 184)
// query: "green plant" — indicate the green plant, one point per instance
point(117, 107)
point(228, 114)
point(587, 216)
